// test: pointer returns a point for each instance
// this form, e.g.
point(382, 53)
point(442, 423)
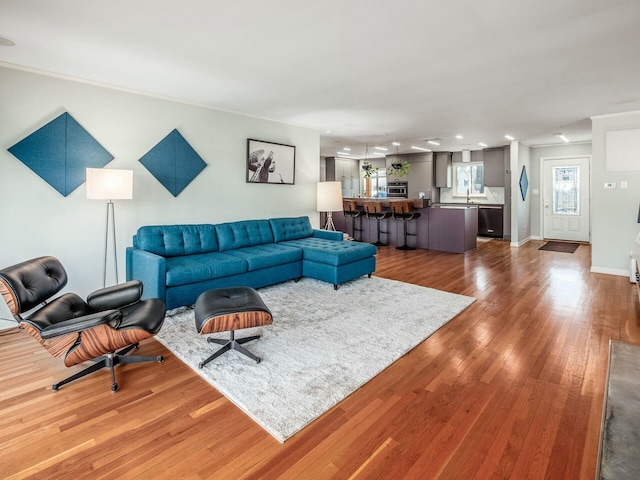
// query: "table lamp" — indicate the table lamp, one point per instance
point(329, 200)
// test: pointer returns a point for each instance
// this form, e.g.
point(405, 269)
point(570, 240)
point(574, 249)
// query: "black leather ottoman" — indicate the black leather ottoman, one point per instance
point(230, 309)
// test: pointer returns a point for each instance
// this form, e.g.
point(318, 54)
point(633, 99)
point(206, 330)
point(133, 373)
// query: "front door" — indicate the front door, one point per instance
point(566, 199)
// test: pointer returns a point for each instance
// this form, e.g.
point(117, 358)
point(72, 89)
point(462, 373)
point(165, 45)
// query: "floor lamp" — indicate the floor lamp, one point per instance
point(329, 200)
point(109, 184)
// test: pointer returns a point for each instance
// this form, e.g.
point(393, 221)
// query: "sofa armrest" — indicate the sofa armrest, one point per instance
point(328, 234)
point(150, 269)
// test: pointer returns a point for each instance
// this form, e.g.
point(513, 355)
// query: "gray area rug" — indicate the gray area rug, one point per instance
point(620, 440)
point(322, 346)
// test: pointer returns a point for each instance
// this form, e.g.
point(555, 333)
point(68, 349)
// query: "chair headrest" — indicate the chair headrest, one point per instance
point(32, 282)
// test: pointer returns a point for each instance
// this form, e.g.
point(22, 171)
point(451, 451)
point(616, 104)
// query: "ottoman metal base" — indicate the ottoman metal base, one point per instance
point(231, 344)
point(230, 309)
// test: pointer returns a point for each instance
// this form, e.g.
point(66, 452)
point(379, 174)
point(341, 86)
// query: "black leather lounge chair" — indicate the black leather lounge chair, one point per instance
point(103, 329)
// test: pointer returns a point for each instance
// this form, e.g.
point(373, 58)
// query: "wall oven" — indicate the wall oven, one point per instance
point(397, 189)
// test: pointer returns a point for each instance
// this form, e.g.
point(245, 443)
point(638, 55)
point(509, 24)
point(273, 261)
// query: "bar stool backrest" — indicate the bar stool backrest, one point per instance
point(400, 208)
point(349, 206)
point(373, 207)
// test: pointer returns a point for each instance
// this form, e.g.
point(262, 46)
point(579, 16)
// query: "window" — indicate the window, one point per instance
point(468, 179)
point(566, 190)
point(378, 184)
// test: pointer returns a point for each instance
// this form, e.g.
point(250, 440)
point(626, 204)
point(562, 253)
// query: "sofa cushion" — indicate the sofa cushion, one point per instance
point(269, 255)
point(246, 233)
point(331, 252)
point(285, 229)
point(177, 240)
point(198, 268)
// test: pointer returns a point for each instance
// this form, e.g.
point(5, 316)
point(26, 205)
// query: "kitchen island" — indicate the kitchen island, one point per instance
point(444, 228)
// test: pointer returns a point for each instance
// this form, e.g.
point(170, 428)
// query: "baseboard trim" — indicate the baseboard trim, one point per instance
point(611, 271)
point(522, 242)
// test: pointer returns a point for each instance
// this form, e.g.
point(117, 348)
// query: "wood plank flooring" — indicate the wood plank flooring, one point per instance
point(511, 388)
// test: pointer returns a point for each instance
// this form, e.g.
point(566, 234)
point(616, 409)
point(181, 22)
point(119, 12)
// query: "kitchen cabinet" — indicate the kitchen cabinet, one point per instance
point(443, 169)
point(346, 171)
point(420, 175)
point(494, 167)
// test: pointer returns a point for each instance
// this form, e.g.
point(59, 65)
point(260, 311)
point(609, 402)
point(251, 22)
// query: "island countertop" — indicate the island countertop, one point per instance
point(386, 202)
point(437, 227)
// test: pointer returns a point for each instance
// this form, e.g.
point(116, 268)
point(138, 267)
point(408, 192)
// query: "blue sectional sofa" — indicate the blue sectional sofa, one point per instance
point(176, 263)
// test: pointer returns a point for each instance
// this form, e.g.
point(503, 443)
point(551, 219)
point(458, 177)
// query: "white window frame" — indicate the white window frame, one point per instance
point(455, 180)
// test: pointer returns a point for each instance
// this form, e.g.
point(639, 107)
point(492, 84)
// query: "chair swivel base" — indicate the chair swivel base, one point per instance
point(109, 361)
point(405, 247)
point(231, 344)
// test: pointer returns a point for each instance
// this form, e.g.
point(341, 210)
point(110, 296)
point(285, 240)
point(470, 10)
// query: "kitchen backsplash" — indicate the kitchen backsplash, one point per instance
point(495, 195)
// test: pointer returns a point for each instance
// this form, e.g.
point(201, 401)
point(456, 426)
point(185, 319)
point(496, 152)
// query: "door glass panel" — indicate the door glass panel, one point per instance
point(566, 190)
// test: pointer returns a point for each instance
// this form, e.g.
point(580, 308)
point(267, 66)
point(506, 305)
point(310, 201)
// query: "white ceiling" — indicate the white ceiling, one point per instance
point(371, 72)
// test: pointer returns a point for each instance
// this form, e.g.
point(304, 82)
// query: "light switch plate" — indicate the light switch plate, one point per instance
point(610, 185)
point(624, 184)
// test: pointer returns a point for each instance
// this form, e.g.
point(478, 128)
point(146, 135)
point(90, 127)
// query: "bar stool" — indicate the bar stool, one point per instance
point(374, 210)
point(350, 209)
point(403, 211)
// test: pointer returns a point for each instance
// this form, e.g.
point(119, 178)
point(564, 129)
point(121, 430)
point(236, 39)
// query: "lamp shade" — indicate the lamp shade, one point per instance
point(329, 197)
point(109, 184)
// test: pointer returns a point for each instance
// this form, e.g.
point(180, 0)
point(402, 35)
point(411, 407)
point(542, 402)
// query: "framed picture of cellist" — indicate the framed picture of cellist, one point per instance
point(269, 162)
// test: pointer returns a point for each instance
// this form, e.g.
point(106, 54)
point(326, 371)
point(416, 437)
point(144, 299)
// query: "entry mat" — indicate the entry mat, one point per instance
point(564, 247)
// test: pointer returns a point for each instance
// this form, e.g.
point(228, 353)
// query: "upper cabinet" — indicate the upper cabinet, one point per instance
point(344, 170)
point(494, 167)
point(421, 175)
point(443, 169)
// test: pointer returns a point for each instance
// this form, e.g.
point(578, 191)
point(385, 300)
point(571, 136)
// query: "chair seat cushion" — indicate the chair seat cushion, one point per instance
point(331, 252)
point(198, 268)
point(265, 256)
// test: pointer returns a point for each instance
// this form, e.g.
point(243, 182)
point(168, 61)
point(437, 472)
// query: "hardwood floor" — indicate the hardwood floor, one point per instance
point(511, 388)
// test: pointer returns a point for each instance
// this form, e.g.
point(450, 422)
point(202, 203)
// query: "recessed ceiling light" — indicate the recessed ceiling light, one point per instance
point(5, 42)
point(381, 148)
point(379, 154)
point(327, 131)
point(561, 136)
point(346, 149)
point(509, 137)
point(343, 153)
point(433, 142)
point(482, 144)
point(459, 137)
point(397, 144)
point(420, 148)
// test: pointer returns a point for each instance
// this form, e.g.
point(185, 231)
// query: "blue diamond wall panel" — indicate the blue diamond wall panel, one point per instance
point(60, 152)
point(173, 162)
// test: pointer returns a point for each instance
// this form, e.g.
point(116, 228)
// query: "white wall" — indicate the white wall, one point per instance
point(535, 179)
point(520, 209)
point(614, 212)
point(37, 220)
